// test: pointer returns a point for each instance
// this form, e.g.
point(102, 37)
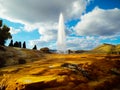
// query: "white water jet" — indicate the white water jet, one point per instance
point(61, 39)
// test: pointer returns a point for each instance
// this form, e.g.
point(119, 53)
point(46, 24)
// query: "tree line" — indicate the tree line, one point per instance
point(20, 45)
point(17, 44)
point(5, 35)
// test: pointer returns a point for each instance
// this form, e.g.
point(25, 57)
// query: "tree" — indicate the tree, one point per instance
point(69, 51)
point(0, 23)
point(24, 45)
point(4, 33)
point(16, 44)
point(20, 44)
point(35, 47)
point(11, 43)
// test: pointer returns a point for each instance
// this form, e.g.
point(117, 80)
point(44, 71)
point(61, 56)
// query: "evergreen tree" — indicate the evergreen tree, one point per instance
point(24, 45)
point(11, 43)
point(16, 44)
point(0, 23)
point(35, 47)
point(20, 44)
point(4, 33)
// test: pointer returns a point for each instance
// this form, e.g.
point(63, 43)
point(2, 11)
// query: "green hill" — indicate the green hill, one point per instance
point(107, 49)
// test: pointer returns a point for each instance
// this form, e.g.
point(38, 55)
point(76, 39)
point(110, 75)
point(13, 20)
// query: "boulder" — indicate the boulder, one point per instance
point(45, 50)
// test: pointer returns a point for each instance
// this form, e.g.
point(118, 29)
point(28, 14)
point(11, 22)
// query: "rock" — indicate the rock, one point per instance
point(76, 68)
point(69, 65)
point(45, 50)
point(115, 71)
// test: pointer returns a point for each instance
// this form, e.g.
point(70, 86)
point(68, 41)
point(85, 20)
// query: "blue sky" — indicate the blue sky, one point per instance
point(89, 23)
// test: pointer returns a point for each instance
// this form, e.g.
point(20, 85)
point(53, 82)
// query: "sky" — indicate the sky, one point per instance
point(88, 23)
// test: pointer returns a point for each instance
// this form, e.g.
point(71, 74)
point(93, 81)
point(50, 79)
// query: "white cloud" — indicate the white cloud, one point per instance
point(14, 31)
point(48, 31)
point(74, 43)
point(41, 14)
point(97, 25)
point(82, 43)
point(39, 43)
point(41, 10)
point(99, 22)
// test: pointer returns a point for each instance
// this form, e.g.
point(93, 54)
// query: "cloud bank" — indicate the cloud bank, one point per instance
point(99, 22)
point(41, 10)
point(14, 31)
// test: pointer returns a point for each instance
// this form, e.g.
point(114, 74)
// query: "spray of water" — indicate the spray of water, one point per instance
point(61, 40)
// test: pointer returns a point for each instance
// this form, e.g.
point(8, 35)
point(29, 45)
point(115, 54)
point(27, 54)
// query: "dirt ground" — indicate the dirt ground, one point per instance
point(64, 72)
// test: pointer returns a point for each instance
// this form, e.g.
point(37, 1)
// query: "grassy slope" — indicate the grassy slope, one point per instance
point(107, 49)
point(14, 56)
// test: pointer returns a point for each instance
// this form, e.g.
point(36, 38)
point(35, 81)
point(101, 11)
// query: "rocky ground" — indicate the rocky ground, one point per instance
point(64, 72)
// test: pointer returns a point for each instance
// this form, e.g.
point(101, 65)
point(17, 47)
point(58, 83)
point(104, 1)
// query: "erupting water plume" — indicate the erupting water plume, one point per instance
point(61, 40)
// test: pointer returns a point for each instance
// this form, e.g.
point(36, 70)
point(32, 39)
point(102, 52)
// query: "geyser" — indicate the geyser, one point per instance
point(61, 40)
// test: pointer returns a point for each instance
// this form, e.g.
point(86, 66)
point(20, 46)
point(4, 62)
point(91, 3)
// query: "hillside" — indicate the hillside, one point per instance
point(13, 56)
point(117, 49)
point(34, 70)
point(106, 49)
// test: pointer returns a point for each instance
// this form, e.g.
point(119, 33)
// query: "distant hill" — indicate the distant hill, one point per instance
point(106, 49)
